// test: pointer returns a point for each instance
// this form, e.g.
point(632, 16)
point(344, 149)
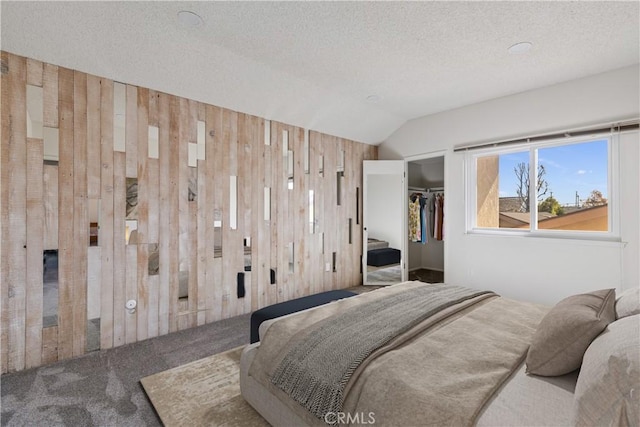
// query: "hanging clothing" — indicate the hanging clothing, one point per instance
point(439, 217)
point(415, 229)
point(431, 214)
point(423, 220)
point(426, 217)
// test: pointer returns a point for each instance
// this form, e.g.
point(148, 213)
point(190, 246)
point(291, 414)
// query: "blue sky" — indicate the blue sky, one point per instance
point(578, 167)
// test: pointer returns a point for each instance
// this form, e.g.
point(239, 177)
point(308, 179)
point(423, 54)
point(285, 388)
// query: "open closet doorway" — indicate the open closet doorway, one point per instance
point(426, 216)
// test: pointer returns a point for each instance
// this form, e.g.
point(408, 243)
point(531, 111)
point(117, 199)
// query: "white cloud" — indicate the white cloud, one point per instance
point(581, 172)
point(550, 163)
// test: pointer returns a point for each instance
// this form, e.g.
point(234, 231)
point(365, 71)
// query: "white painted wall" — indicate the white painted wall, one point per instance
point(433, 255)
point(535, 269)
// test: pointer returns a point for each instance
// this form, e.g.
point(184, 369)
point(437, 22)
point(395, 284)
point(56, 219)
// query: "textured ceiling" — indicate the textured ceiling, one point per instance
point(313, 64)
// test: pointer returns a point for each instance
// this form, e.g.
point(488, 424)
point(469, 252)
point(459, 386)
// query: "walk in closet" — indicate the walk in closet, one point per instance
point(398, 246)
point(425, 200)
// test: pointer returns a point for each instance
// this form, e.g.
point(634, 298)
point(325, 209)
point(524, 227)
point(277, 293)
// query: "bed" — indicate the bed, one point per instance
point(376, 244)
point(464, 364)
point(379, 254)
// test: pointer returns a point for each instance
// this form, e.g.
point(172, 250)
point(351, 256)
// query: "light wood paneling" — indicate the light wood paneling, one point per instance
point(164, 235)
point(343, 215)
point(256, 210)
point(153, 196)
point(14, 145)
point(300, 214)
point(201, 242)
point(35, 247)
point(49, 206)
point(154, 306)
point(214, 155)
point(183, 209)
point(279, 218)
point(243, 166)
point(192, 202)
point(316, 264)
point(330, 207)
point(120, 291)
point(50, 95)
point(206, 244)
point(131, 253)
point(234, 248)
point(131, 131)
point(106, 214)
point(276, 189)
point(154, 108)
point(221, 185)
point(227, 245)
point(142, 261)
point(34, 72)
point(269, 231)
point(319, 195)
point(66, 256)
point(93, 137)
point(81, 213)
point(173, 208)
point(50, 344)
point(4, 217)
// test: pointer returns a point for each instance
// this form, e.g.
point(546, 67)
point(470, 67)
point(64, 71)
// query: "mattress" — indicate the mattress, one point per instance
point(522, 401)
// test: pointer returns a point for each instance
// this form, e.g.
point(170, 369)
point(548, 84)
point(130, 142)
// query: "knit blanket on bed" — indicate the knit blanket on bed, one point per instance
point(315, 371)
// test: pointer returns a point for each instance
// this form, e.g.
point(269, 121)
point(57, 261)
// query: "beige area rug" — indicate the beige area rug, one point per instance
point(202, 393)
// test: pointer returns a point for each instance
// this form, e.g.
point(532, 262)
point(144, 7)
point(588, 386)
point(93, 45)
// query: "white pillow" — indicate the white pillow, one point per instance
point(608, 388)
point(628, 303)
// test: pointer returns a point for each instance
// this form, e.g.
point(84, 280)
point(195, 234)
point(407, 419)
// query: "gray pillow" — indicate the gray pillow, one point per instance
point(628, 303)
point(607, 389)
point(566, 331)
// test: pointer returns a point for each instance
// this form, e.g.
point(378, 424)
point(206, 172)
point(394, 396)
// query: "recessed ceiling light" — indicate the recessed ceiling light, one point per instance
point(190, 19)
point(374, 98)
point(519, 48)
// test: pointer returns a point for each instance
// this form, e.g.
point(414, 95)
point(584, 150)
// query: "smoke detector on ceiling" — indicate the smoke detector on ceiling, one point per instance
point(189, 19)
point(520, 48)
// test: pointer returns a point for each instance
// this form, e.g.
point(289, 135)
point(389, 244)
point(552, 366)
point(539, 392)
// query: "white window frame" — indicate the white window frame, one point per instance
point(613, 185)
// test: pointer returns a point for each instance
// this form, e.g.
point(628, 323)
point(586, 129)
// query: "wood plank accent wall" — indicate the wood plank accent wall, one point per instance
point(45, 206)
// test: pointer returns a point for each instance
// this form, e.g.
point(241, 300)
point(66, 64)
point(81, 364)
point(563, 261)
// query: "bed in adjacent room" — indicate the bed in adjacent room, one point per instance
point(373, 244)
point(423, 354)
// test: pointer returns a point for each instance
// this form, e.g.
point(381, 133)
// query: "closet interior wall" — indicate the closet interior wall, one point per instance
point(224, 221)
point(424, 174)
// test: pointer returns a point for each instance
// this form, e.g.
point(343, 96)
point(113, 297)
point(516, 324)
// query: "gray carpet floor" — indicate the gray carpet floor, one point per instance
point(103, 388)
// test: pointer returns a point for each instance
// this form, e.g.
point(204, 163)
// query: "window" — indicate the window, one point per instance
point(545, 188)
